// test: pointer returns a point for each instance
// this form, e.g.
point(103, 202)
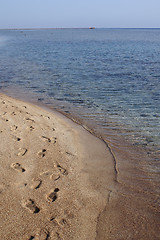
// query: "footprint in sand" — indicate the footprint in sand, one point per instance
point(61, 169)
point(70, 154)
point(29, 119)
point(58, 171)
point(58, 221)
point(31, 128)
point(42, 153)
point(53, 140)
point(16, 138)
point(52, 175)
point(45, 117)
point(36, 183)
point(31, 238)
point(17, 167)
point(55, 175)
point(46, 173)
point(31, 206)
point(61, 220)
point(52, 196)
point(46, 138)
point(58, 237)
point(4, 119)
point(22, 151)
point(14, 128)
point(13, 113)
point(43, 234)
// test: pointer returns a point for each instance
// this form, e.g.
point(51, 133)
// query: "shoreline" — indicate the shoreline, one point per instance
point(102, 208)
point(123, 151)
point(110, 136)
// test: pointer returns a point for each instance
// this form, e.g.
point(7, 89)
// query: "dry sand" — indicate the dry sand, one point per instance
point(58, 181)
point(50, 187)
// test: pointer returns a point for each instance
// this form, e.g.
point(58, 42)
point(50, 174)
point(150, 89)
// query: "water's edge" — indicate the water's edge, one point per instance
point(134, 194)
point(135, 166)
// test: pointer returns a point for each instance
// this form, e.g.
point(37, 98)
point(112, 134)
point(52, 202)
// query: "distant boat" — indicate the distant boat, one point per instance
point(92, 28)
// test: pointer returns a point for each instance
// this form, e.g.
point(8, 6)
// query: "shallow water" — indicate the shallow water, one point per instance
point(109, 78)
point(112, 75)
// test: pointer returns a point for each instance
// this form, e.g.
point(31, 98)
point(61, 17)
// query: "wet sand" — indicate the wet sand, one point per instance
point(58, 181)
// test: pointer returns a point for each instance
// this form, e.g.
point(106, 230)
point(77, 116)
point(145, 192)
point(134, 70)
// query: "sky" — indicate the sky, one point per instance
point(79, 13)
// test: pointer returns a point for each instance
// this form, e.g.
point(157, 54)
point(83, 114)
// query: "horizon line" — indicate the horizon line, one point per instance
point(43, 28)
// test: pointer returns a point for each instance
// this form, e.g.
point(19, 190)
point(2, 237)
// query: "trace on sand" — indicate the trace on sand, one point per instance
point(49, 139)
point(4, 119)
point(22, 151)
point(16, 138)
point(31, 238)
point(55, 176)
point(42, 153)
point(18, 167)
point(46, 173)
point(14, 127)
point(46, 117)
point(52, 196)
point(31, 206)
point(68, 153)
point(36, 183)
point(29, 119)
point(46, 138)
point(31, 128)
point(63, 222)
point(43, 234)
point(52, 175)
point(52, 219)
point(58, 236)
point(62, 170)
point(13, 113)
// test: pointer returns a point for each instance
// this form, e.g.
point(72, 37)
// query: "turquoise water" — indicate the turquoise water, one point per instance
point(108, 76)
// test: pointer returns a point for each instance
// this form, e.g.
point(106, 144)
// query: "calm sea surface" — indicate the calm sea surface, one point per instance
point(110, 77)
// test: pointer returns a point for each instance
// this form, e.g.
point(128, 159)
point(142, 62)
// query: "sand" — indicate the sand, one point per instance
point(58, 181)
point(50, 187)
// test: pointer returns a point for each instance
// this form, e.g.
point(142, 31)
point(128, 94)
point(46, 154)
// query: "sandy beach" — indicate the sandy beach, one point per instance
point(49, 187)
point(58, 181)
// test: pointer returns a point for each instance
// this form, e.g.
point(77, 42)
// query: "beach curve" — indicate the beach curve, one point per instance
point(58, 181)
point(53, 174)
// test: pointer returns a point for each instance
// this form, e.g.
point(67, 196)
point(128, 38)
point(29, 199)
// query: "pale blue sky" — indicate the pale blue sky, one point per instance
point(79, 13)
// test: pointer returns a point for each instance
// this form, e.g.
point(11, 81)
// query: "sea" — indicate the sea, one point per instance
point(106, 79)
